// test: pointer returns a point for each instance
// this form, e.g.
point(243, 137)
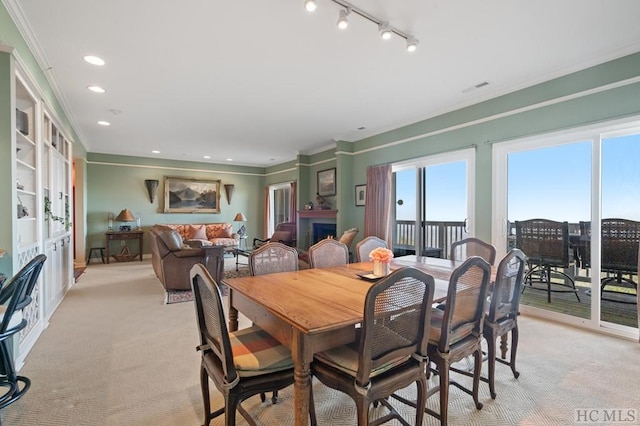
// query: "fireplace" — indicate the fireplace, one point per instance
point(323, 230)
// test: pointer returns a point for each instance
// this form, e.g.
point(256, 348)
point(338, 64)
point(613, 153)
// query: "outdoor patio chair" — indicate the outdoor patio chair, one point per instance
point(366, 246)
point(463, 249)
point(619, 257)
point(236, 374)
point(546, 245)
point(391, 348)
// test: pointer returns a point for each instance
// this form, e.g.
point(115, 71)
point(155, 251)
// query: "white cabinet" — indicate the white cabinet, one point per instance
point(58, 273)
point(35, 157)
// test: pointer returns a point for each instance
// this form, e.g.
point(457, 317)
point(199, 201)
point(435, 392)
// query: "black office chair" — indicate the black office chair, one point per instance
point(15, 295)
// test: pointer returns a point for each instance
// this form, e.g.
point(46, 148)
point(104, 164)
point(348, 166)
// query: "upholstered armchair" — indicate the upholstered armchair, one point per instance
point(172, 260)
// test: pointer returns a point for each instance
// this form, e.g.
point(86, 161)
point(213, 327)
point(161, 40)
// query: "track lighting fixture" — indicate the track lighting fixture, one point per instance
point(343, 22)
point(310, 5)
point(386, 30)
point(412, 44)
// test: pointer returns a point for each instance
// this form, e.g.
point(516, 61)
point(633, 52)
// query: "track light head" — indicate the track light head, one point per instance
point(343, 22)
point(385, 31)
point(310, 5)
point(412, 44)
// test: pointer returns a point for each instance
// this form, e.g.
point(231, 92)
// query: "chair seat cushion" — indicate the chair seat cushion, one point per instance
point(345, 358)
point(435, 329)
point(256, 352)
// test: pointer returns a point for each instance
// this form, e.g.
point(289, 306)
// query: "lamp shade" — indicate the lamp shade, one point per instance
point(240, 218)
point(126, 216)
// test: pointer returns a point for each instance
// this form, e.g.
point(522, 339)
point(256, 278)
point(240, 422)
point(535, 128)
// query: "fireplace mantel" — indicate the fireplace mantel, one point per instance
point(318, 214)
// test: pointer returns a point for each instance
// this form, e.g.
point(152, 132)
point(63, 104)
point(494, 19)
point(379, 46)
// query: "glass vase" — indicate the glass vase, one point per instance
point(380, 269)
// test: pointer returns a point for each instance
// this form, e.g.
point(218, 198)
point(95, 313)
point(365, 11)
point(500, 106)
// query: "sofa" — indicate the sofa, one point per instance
point(219, 234)
point(172, 259)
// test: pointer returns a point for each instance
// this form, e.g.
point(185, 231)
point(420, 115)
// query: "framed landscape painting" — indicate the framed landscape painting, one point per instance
point(327, 182)
point(191, 195)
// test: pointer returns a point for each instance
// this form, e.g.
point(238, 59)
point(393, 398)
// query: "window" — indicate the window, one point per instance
point(279, 205)
point(434, 203)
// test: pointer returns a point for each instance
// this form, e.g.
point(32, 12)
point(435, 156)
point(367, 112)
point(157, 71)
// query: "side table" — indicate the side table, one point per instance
point(124, 235)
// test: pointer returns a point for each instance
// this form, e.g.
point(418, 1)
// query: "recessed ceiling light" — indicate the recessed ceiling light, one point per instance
point(310, 5)
point(206, 156)
point(94, 60)
point(104, 123)
point(155, 151)
point(229, 159)
point(96, 89)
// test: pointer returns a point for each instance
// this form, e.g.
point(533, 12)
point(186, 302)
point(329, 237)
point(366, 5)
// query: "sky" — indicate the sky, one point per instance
point(551, 183)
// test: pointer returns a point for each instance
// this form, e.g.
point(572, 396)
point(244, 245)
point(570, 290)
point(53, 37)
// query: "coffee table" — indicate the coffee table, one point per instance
point(241, 252)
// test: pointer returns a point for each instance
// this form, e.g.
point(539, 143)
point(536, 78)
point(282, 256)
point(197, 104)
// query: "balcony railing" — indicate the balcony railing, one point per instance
point(435, 234)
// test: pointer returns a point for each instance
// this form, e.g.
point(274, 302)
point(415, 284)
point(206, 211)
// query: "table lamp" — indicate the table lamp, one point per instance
point(241, 218)
point(125, 216)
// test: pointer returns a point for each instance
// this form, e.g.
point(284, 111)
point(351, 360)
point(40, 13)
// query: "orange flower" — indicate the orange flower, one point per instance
point(381, 255)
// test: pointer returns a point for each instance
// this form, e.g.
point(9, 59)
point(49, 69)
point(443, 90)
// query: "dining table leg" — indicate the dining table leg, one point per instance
point(233, 314)
point(301, 354)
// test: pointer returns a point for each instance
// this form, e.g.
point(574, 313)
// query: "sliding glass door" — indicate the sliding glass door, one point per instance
point(548, 190)
point(620, 228)
point(433, 203)
point(586, 181)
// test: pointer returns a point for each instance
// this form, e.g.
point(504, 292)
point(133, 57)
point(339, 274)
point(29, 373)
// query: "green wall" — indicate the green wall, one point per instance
point(117, 182)
point(114, 182)
point(6, 161)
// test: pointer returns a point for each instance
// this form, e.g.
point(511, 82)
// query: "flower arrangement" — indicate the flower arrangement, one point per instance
point(381, 255)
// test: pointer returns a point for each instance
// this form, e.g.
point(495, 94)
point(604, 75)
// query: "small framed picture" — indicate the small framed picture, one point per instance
point(361, 195)
point(327, 182)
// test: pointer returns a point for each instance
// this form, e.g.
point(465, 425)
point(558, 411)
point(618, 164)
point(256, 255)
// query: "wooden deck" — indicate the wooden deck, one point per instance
point(566, 303)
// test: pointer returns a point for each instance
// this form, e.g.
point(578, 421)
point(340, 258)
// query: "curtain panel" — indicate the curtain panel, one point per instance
point(377, 211)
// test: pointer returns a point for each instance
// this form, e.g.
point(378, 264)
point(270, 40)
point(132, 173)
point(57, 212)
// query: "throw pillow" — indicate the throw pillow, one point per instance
point(197, 232)
point(198, 243)
point(226, 231)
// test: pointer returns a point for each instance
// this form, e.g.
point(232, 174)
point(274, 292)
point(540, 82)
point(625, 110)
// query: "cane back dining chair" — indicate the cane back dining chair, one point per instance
point(463, 249)
point(546, 245)
point(390, 351)
point(15, 295)
point(241, 364)
point(366, 246)
point(456, 332)
point(273, 257)
point(270, 258)
point(327, 253)
point(502, 317)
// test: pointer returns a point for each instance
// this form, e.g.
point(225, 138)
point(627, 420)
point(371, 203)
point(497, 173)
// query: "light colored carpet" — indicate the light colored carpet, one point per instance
point(115, 354)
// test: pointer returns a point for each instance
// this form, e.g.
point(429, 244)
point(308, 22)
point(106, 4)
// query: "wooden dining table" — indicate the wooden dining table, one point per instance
point(313, 310)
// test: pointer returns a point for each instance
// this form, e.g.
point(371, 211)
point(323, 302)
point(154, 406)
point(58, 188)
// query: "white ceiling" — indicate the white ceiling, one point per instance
point(261, 81)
